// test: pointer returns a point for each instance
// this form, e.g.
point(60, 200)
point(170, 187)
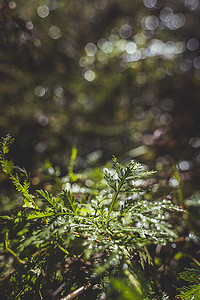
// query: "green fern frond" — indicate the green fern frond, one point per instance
point(100, 230)
point(192, 276)
point(8, 168)
point(48, 198)
point(36, 214)
point(191, 292)
point(120, 181)
point(69, 200)
point(145, 257)
point(23, 188)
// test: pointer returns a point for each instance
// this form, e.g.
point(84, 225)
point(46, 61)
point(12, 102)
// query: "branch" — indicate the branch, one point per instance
point(77, 292)
point(8, 275)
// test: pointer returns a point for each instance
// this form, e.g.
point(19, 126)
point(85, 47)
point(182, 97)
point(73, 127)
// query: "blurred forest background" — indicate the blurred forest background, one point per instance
point(111, 77)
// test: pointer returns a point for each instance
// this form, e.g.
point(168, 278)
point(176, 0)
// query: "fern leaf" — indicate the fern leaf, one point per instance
point(23, 188)
point(35, 214)
point(69, 200)
point(191, 292)
point(49, 199)
point(191, 275)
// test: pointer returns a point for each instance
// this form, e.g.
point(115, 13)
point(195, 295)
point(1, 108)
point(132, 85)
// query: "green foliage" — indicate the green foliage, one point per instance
point(5, 144)
point(192, 276)
point(121, 182)
point(8, 168)
point(78, 239)
point(126, 292)
point(72, 176)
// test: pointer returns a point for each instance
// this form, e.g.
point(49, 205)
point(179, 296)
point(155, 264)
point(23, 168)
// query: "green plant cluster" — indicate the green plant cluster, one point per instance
point(192, 276)
point(81, 241)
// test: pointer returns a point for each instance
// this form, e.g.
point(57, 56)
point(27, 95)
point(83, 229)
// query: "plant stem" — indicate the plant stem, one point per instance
point(25, 194)
point(8, 275)
point(77, 292)
point(114, 200)
point(15, 255)
point(192, 258)
point(63, 250)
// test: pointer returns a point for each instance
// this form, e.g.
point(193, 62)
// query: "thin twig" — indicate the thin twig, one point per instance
point(77, 292)
point(8, 275)
point(38, 252)
point(14, 270)
point(58, 290)
point(15, 255)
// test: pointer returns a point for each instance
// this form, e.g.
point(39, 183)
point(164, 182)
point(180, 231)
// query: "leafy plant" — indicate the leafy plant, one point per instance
point(192, 276)
point(76, 241)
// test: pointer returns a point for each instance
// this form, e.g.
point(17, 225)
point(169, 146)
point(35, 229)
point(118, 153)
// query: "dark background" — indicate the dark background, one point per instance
point(55, 93)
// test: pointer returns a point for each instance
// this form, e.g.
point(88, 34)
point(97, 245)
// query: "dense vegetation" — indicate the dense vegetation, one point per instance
point(104, 77)
point(102, 230)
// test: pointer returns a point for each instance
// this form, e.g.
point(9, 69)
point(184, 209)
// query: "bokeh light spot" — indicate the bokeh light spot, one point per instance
point(166, 14)
point(58, 90)
point(121, 44)
point(43, 11)
point(167, 104)
point(184, 165)
point(148, 139)
point(169, 47)
point(194, 142)
point(37, 43)
point(39, 91)
point(151, 22)
point(165, 119)
point(191, 4)
point(42, 119)
point(178, 20)
point(132, 57)
point(140, 38)
point(29, 25)
point(196, 62)
point(193, 44)
point(55, 32)
point(186, 65)
point(12, 4)
point(149, 3)
point(41, 147)
point(171, 20)
point(131, 47)
point(125, 31)
point(91, 49)
point(102, 43)
point(173, 182)
point(89, 75)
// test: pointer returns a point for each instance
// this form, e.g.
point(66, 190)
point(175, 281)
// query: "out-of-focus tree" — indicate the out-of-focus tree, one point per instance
point(109, 76)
